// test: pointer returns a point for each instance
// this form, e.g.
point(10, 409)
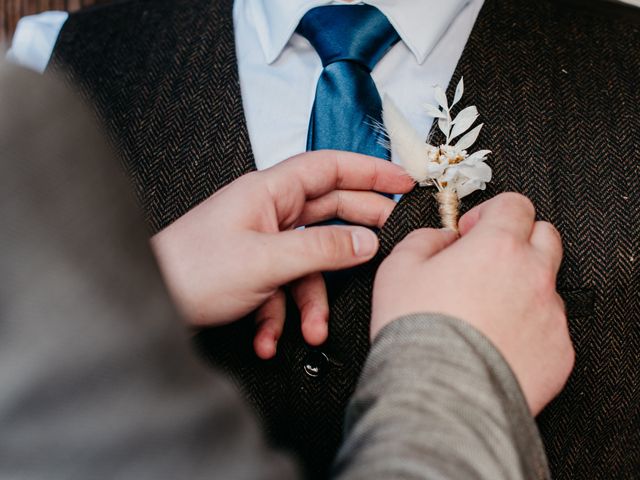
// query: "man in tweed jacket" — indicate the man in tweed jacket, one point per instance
point(557, 87)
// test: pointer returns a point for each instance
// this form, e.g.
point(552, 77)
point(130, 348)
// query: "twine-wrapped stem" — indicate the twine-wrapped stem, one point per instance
point(449, 207)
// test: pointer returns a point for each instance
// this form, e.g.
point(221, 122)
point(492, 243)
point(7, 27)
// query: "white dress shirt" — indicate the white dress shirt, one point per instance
point(279, 69)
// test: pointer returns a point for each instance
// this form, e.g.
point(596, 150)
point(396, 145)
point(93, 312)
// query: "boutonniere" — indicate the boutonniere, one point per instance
point(450, 168)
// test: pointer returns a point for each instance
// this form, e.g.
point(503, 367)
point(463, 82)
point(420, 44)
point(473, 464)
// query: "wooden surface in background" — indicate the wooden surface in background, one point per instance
point(12, 10)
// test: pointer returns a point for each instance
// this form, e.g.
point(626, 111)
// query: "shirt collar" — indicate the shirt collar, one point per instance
point(276, 20)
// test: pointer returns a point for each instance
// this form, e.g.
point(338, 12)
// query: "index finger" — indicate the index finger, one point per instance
point(323, 171)
point(510, 212)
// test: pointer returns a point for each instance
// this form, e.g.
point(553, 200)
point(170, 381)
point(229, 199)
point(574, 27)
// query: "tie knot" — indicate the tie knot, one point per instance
point(357, 33)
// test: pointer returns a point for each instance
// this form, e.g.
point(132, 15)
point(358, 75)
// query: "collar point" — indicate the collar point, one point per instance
point(271, 57)
point(420, 56)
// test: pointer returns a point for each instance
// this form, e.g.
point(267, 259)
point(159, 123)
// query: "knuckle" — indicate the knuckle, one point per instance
point(506, 245)
point(374, 176)
point(550, 230)
point(566, 364)
point(547, 281)
point(562, 322)
point(309, 291)
point(383, 215)
point(555, 248)
point(518, 200)
point(569, 353)
point(308, 302)
point(544, 285)
point(339, 199)
point(332, 244)
point(414, 240)
point(563, 308)
point(541, 286)
point(570, 360)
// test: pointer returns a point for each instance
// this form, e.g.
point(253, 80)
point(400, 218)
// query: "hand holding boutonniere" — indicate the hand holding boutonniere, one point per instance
point(450, 168)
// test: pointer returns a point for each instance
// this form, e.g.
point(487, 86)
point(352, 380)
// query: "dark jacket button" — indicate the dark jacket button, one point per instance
point(315, 363)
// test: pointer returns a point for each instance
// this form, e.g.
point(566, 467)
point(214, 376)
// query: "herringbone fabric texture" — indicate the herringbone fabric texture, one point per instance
point(557, 87)
point(172, 103)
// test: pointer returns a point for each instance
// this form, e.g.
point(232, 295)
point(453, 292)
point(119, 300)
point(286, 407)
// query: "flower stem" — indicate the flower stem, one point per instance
point(449, 207)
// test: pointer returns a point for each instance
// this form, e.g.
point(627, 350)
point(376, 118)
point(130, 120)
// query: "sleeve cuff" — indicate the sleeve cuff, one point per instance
point(437, 388)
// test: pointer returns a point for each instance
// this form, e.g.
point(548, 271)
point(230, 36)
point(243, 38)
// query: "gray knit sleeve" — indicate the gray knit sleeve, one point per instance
point(436, 400)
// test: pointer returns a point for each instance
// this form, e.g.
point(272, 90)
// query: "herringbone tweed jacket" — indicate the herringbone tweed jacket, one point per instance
point(559, 90)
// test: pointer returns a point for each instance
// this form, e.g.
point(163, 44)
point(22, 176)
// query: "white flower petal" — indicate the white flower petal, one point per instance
point(478, 156)
point(450, 174)
point(444, 126)
point(469, 139)
point(433, 153)
point(468, 187)
point(441, 98)
point(480, 171)
point(434, 170)
point(459, 91)
point(434, 111)
point(463, 121)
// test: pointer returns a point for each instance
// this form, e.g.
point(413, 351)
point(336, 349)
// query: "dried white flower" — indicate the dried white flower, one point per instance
point(449, 166)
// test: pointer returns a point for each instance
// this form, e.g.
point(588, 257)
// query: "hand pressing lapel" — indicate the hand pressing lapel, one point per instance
point(237, 250)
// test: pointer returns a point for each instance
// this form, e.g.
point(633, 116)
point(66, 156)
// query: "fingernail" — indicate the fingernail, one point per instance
point(365, 242)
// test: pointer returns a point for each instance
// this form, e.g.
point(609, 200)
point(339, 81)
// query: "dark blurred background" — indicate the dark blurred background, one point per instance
point(12, 10)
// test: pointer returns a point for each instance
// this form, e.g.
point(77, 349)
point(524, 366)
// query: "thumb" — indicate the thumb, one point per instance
point(425, 243)
point(298, 253)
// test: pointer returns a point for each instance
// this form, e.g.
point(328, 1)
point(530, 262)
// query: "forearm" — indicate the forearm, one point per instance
point(436, 400)
point(98, 380)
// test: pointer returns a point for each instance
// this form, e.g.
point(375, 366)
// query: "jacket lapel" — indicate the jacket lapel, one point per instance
point(208, 86)
point(417, 209)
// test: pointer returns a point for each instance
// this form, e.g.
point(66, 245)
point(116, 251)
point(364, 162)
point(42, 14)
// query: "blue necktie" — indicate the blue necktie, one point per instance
point(350, 40)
